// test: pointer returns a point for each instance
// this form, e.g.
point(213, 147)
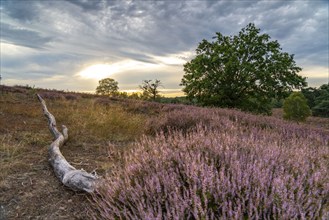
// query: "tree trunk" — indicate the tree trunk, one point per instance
point(77, 180)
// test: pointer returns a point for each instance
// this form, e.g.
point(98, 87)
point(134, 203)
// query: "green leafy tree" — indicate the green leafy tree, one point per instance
point(245, 71)
point(318, 100)
point(311, 94)
point(150, 89)
point(107, 86)
point(295, 107)
point(321, 107)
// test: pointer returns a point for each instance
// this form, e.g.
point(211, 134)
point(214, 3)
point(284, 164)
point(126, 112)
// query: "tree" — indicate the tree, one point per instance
point(295, 107)
point(150, 89)
point(107, 86)
point(321, 107)
point(244, 71)
point(311, 94)
point(318, 100)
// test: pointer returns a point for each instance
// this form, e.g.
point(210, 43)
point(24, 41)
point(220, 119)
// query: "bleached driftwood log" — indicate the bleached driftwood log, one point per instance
point(78, 180)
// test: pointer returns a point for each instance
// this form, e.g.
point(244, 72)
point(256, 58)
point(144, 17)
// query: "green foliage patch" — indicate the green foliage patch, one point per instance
point(295, 107)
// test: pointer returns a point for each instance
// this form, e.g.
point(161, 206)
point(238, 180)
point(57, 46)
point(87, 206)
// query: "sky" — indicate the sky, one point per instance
point(72, 44)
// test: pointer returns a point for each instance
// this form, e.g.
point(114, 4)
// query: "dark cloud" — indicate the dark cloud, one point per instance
point(23, 37)
point(87, 5)
point(22, 10)
point(38, 65)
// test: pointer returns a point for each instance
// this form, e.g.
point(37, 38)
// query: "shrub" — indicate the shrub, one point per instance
point(220, 164)
point(295, 107)
point(52, 95)
point(182, 118)
point(225, 173)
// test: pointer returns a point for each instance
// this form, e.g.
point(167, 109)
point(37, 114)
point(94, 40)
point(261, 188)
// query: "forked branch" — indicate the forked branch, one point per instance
point(78, 180)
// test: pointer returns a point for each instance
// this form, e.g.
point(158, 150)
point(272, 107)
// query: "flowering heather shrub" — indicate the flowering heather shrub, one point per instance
point(245, 167)
point(72, 96)
point(143, 107)
point(14, 89)
point(103, 101)
point(52, 95)
point(182, 118)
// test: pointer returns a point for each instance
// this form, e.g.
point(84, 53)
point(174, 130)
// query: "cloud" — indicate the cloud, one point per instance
point(87, 5)
point(23, 37)
point(62, 38)
point(23, 11)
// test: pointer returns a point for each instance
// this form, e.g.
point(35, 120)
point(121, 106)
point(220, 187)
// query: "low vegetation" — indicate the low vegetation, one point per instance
point(211, 163)
point(161, 161)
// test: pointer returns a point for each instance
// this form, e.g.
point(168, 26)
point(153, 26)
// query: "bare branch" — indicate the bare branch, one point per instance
point(78, 180)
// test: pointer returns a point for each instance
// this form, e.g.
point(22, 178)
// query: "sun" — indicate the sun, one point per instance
point(98, 71)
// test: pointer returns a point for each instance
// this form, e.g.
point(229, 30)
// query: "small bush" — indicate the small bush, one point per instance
point(295, 107)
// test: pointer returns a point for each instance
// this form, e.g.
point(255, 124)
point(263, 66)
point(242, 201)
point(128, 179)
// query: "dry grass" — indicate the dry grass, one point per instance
point(25, 174)
point(84, 117)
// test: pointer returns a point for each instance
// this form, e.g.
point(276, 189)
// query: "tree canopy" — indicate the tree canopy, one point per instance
point(244, 71)
point(107, 86)
point(318, 100)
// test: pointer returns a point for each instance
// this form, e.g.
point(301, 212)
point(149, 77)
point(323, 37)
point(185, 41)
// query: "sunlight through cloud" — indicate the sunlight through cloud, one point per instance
point(100, 71)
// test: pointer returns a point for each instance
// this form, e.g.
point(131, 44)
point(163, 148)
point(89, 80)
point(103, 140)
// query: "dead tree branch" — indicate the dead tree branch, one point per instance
point(78, 180)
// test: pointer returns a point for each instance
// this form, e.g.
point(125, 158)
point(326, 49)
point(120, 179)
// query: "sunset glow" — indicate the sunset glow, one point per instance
point(97, 71)
point(100, 71)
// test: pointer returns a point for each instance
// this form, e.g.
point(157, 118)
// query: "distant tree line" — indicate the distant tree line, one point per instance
point(318, 100)
point(149, 89)
point(297, 106)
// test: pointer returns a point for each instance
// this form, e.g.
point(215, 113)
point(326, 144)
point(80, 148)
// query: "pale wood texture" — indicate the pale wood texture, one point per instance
point(78, 180)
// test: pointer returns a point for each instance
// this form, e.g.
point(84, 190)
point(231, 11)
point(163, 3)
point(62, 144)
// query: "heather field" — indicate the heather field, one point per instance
point(161, 161)
point(221, 164)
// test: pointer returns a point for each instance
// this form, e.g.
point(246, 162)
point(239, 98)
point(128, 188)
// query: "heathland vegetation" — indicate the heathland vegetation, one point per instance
point(161, 160)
